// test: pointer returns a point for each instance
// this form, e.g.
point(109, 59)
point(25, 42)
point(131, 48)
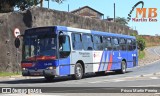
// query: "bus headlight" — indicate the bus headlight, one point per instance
point(51, 68)
point(24, 69)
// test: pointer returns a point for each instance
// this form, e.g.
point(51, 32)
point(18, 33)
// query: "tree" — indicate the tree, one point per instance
point(58, 1)
point(121, 21)
point(23, 4)
point(140, 42)
point(8, 5)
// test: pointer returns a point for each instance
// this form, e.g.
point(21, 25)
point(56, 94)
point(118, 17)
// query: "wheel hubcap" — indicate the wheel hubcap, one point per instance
point(124, 68)
point(78, 71)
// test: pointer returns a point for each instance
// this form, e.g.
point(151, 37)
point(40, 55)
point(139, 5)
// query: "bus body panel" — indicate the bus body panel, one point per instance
point(64, 66)
point(94, 61)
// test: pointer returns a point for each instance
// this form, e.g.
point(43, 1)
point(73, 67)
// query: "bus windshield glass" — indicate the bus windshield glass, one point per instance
point(39, 45)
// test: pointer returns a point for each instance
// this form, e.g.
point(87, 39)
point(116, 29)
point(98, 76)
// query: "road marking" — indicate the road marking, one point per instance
point(99, 81)
point(118, 80)
point(148, 75)
point(154, 77)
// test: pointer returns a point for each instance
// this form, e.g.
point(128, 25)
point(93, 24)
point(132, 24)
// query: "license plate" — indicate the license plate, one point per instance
point(37, 73)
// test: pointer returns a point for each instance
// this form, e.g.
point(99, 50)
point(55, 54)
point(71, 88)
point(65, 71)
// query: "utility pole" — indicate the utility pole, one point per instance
point(114, 12)
point(68, 7)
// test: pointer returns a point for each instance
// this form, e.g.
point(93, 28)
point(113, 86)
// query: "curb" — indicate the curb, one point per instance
point(15, 76)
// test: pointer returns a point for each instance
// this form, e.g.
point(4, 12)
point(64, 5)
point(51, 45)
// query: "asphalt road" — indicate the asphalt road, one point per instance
point(144, 76)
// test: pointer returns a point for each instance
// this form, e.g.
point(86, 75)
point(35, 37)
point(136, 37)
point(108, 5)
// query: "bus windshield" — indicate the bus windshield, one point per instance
point(39, 45)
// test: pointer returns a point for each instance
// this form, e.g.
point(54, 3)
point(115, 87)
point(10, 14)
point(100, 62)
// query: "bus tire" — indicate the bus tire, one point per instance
point(78, 71)
point(123, 68)
point(49, 78)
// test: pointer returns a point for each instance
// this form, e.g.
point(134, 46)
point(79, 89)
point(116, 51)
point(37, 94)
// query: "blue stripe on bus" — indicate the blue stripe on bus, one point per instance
point(106, 60)
point(103, 61)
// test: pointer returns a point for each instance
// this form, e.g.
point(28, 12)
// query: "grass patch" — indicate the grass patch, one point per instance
point(3, 74)
point(141, 54)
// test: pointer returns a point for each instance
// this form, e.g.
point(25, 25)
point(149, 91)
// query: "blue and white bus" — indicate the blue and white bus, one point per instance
point(62, 51)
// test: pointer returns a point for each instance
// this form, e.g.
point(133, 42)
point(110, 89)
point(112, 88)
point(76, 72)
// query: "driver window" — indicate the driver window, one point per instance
point(64, 47)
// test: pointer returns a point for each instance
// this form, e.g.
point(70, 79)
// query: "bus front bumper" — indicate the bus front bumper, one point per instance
point(39, 72)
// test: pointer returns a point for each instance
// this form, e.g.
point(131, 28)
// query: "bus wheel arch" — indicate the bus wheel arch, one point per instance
point(82, 63)
point(125, 62)
point(78, 70)
point(123, 67)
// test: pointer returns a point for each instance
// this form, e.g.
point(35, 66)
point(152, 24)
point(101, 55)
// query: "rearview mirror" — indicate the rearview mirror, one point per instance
point(17, 42)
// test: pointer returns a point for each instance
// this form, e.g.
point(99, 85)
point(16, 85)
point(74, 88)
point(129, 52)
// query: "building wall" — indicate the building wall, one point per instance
point(88, 10)
point(37, 17)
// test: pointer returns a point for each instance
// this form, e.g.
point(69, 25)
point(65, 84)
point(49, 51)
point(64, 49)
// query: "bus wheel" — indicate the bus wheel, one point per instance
point(49, 78)
point(78, 71)
point(123, 68)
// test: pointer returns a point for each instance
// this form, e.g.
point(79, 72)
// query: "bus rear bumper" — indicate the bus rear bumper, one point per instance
point(39, 72)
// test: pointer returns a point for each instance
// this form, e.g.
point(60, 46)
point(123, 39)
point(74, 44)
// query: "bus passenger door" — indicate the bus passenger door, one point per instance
point(115, 54)
point(64, 55)
point(129, 54)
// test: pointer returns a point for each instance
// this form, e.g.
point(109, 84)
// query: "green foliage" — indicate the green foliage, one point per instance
point(3, 74)
point(121, 20)
point(23, 4)
point(140, 42)
point(58, 1)
point(141, 54)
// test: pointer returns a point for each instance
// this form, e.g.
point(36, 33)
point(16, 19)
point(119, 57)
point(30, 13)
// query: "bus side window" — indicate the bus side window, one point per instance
point(129, 44)
point(64, 48)
point(87, 42)
point(76, 41)
point(97, 41)
point(107, 43)
point(115, 43)
point(134, 45)
point(122, 43)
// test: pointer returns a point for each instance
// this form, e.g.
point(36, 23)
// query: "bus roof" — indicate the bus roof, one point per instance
point(78, 30)
point(63, 28)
